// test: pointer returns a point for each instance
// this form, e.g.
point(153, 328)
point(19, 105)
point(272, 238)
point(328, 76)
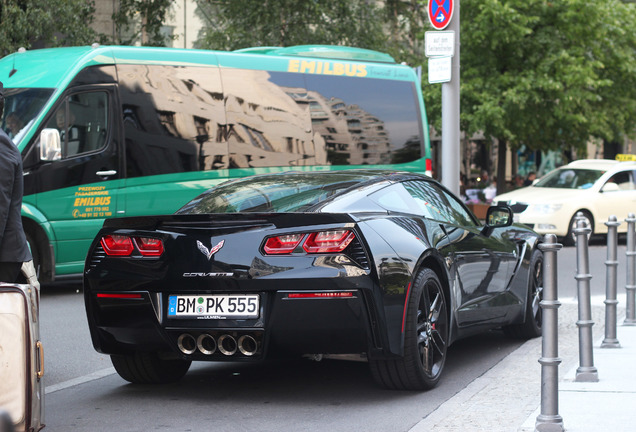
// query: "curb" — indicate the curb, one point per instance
point(508, 394)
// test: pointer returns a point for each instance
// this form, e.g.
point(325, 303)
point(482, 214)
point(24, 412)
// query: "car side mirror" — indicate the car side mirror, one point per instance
point(497, 217)
point(610, 187)
point(50, 145)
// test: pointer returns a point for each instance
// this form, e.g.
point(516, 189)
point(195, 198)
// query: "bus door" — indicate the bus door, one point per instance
point(77, 182)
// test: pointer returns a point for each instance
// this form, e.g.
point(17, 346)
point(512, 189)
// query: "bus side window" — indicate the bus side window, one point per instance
point(85, 128)
point(90, 110)
point(174, 119)
point(97, 121)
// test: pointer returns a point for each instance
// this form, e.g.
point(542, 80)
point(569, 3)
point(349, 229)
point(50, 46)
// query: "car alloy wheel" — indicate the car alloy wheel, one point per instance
point(425, 339)
point(536, 289)
point(533, 320)
point(432, 330)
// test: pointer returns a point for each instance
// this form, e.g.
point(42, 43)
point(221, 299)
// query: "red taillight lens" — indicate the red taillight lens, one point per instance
point(282, 244)
point(328, 241)
point(117, 245)
point(119, 296)
point(149, 246)
point(334, 241)
point(121, 245)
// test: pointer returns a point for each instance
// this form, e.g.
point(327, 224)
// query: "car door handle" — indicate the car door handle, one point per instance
point(106, 173)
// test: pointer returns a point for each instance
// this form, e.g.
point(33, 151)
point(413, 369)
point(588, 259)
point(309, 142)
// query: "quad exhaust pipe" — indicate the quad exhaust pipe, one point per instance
point(187, 344)
point(206, 344)
point(226, 344)
point(247, 345)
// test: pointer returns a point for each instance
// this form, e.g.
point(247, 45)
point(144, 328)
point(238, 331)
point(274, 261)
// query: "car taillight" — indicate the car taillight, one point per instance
point(122, 245)
point(333, 241)
point(149, 246)
point(119, 295)
point(328, 241)
point(117, 245)
point(282, 244)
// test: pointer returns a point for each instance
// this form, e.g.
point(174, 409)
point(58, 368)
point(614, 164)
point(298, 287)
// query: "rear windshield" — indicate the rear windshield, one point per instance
point(269, 194)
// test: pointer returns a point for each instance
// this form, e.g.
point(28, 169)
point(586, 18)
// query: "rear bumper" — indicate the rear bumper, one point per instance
point(286, 324)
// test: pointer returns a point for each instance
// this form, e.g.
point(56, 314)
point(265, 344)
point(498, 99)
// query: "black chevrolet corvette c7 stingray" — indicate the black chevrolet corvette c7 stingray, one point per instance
point(386, 265)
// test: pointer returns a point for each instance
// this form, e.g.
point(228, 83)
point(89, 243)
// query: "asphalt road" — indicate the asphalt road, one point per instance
point(83, 393)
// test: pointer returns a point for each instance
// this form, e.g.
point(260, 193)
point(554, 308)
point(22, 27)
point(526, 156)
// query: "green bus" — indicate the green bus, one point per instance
point(111, 131)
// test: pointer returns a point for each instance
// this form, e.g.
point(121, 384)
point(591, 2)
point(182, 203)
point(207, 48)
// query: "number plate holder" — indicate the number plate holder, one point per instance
point(217, 306)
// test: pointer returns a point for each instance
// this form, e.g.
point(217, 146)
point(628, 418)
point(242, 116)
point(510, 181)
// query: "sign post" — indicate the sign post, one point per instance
point(440, 13)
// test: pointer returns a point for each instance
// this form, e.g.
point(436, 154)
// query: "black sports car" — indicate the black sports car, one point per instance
point(382, 264)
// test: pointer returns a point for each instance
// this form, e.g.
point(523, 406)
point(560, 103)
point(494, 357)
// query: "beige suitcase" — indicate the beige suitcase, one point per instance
point(21, 353)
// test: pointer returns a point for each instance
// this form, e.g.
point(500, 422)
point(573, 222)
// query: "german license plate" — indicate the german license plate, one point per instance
point(214, 306)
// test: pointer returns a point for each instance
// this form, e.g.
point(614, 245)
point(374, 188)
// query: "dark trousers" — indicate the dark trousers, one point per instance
point(9, 271)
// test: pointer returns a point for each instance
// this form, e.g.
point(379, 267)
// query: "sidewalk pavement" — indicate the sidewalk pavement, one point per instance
point(507, 398)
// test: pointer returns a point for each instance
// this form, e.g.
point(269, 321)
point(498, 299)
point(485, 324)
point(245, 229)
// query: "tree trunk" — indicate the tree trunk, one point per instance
point(501, 166)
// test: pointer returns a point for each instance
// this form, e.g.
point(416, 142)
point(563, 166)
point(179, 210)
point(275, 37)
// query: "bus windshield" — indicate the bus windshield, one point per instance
point(21, 107)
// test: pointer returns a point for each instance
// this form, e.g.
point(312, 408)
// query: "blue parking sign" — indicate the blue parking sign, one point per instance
point(440, 12)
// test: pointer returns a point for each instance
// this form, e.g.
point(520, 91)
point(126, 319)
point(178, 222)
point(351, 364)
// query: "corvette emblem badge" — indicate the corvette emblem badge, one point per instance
point(209, 252)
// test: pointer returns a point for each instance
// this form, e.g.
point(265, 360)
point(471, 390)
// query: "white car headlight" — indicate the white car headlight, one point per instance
point(546, 208)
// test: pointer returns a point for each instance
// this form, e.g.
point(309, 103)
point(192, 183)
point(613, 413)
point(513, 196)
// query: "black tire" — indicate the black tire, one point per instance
point(531, 328)
point(425, 339)
point(149, 368)
point(570, 238)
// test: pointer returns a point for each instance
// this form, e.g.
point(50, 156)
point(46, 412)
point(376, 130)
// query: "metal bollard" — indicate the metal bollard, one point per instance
point(586, 371)
point(630, 286)
point(549, 419)
point(611, 302)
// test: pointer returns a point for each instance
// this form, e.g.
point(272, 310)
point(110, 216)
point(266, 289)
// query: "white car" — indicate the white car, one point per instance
point(597, 188)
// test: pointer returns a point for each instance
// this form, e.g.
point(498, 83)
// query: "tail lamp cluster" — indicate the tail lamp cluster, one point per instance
point(123, 245)
point(333, 241)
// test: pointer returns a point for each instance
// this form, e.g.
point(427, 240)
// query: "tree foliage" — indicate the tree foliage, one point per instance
point(546, 74)
point(29, 23)
point(392, 26)
point(405, 22)
point(142, 20)
point(233, 24)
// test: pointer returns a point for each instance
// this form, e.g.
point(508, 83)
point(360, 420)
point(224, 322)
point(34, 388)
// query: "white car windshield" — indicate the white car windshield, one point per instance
point(570, 178)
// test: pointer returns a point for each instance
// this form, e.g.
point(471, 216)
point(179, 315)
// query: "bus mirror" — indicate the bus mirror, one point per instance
point(50, 147)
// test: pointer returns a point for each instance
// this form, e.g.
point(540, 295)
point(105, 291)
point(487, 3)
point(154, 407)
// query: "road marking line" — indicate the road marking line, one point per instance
point(80, 380)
